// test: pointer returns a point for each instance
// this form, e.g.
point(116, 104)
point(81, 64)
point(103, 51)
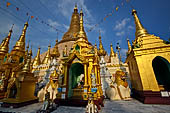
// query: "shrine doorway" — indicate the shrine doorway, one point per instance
point(75, 71)
point(161, 68)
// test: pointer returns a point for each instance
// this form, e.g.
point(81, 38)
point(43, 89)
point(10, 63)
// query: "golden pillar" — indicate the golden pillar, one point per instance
point(89, 73)
point(85, 74)
point(65, 75)
point(100, 88)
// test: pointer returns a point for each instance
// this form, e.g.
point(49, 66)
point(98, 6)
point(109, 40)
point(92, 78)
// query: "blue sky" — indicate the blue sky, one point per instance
point(154, 15)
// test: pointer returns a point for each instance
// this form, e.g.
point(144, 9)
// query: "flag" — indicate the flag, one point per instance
point(32, 17)
point(17, 8)
point(117, 8)
point(8, 4)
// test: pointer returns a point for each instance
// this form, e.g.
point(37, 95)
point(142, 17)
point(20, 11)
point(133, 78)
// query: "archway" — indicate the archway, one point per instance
point(75, 71)
point(161, 69)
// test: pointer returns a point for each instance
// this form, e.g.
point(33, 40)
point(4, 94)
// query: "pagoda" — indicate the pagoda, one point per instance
point(81, 70)
point(148, 60)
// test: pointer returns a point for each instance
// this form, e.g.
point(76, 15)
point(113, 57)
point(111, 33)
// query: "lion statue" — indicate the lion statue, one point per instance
point(119, 88)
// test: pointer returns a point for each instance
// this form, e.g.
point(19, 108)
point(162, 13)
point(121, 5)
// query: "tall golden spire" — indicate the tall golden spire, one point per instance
point(129, 46)
point(74, 26)
point(5, 44)
point(20, 44)
point(82, 33)
point(48, 56)
point(140, 30)
point(55, 52)
point(112, 53)
point(37, 60)
point(101, 52)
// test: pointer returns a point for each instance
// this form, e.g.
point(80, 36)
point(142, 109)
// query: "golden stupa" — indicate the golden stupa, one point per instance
point(148, 60)
point(16, 70)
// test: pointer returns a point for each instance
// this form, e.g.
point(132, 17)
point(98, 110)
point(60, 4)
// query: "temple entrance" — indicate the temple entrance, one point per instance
point(161, 69)
point(75, 72)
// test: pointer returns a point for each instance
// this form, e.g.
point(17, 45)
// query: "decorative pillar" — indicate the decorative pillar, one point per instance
point(100, 89)
point(65, 75)
point(89, 73)
point(85, 74)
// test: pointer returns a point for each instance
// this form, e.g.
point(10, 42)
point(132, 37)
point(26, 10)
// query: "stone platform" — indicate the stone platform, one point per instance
point(132, 106)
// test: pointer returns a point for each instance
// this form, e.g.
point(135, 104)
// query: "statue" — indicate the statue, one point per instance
point(65, 51)
point(47, 101)
point(119, 88)
point(10, 84)
point(80, 80)
point(2, 81)
point(93, 79)
point(91, 107)
point(10, 59)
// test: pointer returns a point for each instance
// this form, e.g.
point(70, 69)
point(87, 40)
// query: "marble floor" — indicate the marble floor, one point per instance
point(132, 106)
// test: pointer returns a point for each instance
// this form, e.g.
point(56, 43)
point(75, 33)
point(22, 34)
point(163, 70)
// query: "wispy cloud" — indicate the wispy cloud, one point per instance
point(123, 27)
point(121, 33)
point(121, 24)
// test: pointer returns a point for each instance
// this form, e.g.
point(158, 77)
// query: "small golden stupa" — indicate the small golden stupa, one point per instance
point(16, 68)
point(148, 60)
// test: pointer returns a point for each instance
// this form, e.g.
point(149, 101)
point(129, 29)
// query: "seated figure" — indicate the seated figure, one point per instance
point(119, 88)
point(80, 81)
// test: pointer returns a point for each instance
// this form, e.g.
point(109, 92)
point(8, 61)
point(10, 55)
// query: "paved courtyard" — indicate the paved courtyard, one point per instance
point(132, 106)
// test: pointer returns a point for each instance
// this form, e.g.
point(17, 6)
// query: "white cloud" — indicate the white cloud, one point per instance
point(120, 25)
point(120, 33)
